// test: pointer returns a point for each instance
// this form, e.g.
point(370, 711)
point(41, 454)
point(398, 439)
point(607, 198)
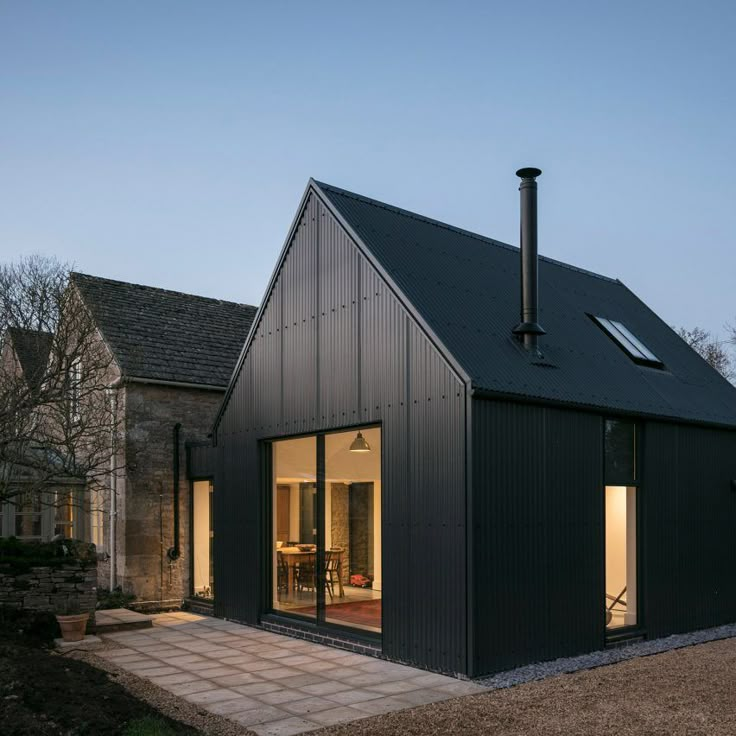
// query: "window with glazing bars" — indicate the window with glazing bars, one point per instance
point(627, 341)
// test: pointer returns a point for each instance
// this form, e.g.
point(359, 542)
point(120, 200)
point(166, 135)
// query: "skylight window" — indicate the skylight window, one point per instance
point(629, 342)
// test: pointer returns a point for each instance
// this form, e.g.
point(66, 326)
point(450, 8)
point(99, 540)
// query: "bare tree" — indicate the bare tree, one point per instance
point(711, 349)
point(56, 421)
point(731, 331)
point(31, 290)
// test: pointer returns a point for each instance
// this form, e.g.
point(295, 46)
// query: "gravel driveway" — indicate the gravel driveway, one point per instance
point(685, 691)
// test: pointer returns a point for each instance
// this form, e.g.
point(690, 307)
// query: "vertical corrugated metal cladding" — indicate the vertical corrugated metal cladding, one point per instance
point(335, 348)
point(200, 460)
point(688, 530)
point(537, 530)
point(436, 508)
point(237, 506)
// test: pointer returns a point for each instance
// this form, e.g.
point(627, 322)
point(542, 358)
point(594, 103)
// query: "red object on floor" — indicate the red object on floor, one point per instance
point(355, 613)
point(360, 581)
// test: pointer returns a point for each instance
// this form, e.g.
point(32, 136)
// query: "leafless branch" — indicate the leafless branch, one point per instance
point(56, 420)
point(711, 349)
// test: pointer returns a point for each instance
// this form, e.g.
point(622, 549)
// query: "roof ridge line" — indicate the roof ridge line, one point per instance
point(454, 228)
point(74, 274)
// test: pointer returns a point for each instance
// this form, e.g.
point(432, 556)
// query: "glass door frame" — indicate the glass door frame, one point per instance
point(628, 631)
point(269, 612)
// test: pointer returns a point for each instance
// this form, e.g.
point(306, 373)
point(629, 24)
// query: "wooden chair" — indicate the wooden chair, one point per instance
point(282, 574)
point(305, 574)
point(333, 571)
point(617, 599)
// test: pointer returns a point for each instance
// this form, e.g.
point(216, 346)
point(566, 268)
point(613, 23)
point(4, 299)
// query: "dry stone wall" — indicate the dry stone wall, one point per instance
point(65, 583)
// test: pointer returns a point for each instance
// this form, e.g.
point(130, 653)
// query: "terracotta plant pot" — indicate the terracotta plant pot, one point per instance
point(73, 627)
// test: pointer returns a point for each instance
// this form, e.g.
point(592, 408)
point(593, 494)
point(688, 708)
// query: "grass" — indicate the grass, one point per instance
point(149, 726)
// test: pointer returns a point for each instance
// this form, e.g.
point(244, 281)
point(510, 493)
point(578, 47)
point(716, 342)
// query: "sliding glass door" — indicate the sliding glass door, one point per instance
point(326, 527)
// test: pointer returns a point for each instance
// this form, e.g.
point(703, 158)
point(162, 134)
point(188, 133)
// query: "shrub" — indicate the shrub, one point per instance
point(36, 628)
point(113, 598)
point(21, 556)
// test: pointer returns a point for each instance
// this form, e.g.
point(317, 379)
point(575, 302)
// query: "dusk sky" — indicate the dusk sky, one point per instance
point(169, 143)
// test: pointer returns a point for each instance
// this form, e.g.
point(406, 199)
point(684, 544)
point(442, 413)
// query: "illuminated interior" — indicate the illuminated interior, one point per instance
point(203, 539)
point(350, 570)
point(621, 581)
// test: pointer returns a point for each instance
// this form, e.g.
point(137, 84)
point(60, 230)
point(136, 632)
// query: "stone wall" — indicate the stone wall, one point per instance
point(146, 494)
point(340, 528)
point(361, 529)
point(62, 585)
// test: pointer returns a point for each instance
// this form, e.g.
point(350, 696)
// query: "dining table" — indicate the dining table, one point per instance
point(293, 556)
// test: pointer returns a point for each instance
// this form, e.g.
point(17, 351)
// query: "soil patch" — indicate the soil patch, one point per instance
point(47, 694)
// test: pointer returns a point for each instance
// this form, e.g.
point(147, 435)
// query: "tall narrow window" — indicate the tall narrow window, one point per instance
point(96, 519)
point(75, 389)
point(211, 539)
point(621, 492)
point(620, 452)
point(203, 539)
point(64, 514)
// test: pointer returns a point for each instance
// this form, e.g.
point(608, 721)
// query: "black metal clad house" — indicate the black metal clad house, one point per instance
point(537, 495)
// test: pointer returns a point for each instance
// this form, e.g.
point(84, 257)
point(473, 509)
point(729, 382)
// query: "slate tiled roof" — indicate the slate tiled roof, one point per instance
point(466, 288)
point(166, 335)
point(32, 348)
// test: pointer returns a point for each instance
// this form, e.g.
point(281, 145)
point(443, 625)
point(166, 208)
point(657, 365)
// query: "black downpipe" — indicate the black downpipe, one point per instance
point(529, 329)
point(175, 552)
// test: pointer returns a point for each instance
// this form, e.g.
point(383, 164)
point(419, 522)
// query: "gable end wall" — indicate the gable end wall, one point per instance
point(334, 348)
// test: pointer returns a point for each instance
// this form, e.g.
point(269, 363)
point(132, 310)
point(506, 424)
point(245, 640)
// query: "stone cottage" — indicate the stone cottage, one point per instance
point(173, 355)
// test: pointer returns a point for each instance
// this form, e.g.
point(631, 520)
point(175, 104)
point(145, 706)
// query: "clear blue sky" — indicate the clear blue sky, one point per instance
point(168, 143)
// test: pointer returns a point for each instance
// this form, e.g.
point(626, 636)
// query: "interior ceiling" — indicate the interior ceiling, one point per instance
point(295, 460)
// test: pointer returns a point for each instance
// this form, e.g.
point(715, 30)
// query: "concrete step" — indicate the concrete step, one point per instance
point(121, 619)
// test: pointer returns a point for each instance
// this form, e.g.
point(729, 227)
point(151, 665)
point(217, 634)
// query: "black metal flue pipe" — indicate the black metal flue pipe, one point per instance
point(529, 329)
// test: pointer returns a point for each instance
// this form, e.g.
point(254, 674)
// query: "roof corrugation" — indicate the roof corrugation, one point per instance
point(466, 287)
point(166, 335)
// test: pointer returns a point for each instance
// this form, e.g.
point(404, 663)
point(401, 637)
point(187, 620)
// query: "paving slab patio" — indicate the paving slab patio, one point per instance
point(272, 684)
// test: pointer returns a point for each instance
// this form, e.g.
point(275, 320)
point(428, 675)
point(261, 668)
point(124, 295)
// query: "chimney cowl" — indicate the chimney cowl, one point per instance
point(529, 172)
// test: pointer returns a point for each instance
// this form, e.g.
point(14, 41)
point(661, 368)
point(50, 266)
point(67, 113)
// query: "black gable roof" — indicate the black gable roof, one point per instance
point(164, 335)
point(32, 348)
point(466, 288)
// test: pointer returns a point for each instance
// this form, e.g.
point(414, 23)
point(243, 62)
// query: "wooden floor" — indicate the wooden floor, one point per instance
point(359, 607)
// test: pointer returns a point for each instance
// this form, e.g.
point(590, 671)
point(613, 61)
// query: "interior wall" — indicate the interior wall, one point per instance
point(294, 505)
point(621, 552)
point(615, 539)
point(339, 516)
point(201, 531)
